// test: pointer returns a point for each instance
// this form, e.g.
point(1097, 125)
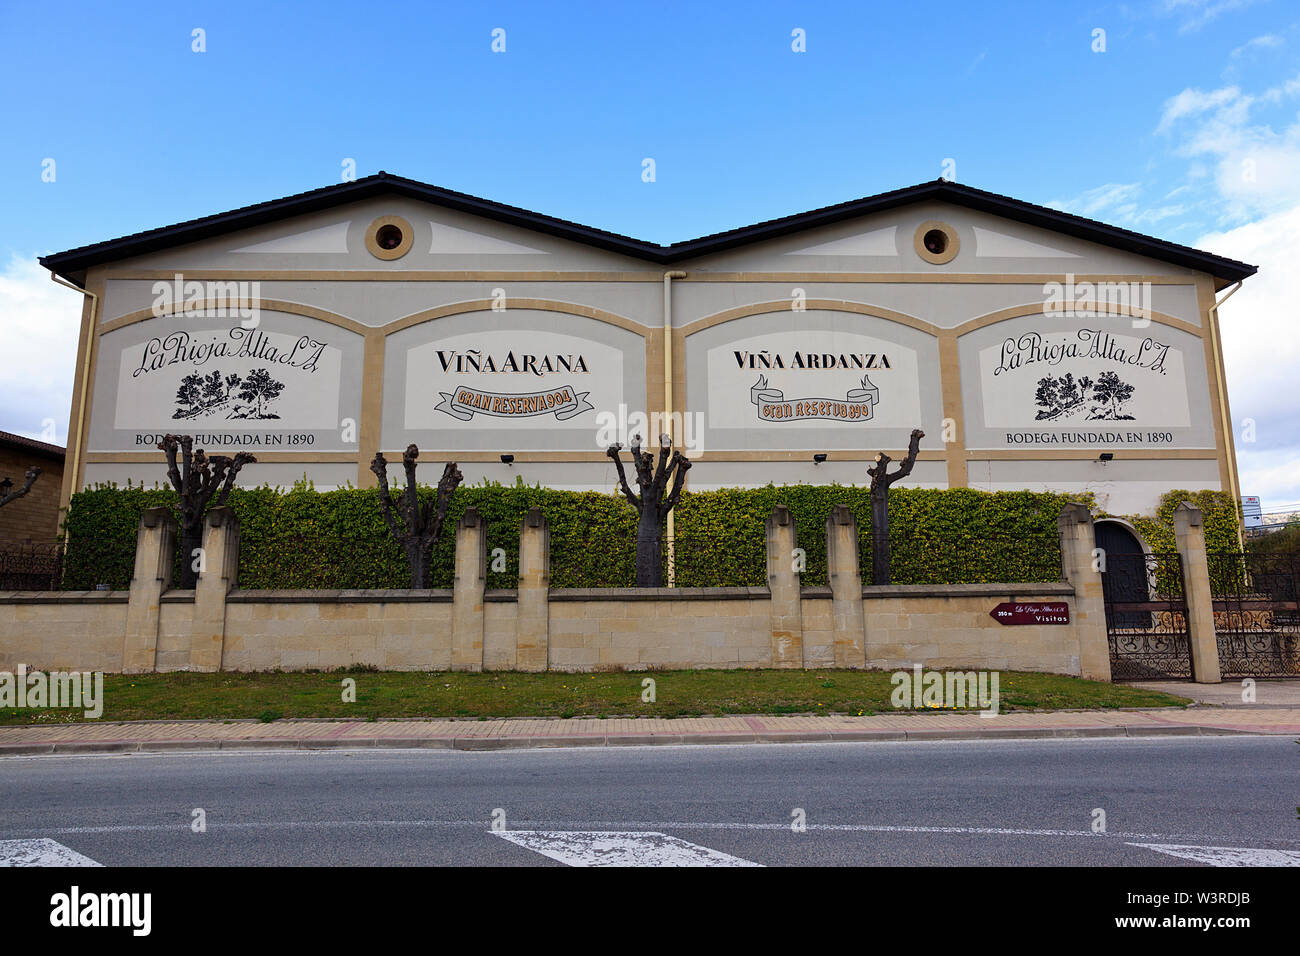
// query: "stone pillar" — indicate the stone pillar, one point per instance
point(846, 587)
point(155, 553)
point(1189, 530)
point(467, 593)
point(217, 577)
point(783, 583)
point(533, 611)
point(1078, 562)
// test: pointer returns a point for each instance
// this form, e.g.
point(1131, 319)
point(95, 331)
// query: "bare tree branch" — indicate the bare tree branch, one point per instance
point(197, 480)
point(419, 528)
point(612, 451)
point(29, 479)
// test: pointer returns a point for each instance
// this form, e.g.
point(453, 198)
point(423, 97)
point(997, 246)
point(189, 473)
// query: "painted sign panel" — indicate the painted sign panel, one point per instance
point(1085, 386)
point(511, 379)
point(783, 379)
point(277, 384)
point(1039, 612)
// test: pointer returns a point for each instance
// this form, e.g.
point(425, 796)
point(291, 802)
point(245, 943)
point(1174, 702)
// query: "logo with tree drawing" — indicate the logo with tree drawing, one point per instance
point(252, 396)
point(1065, 397)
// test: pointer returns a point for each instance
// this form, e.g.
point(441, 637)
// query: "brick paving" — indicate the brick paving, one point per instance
point(548, 732)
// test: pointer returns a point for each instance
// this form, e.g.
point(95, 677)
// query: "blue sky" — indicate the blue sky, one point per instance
point(1151, 134)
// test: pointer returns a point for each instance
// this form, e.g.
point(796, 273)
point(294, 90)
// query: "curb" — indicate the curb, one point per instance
point(614, 740)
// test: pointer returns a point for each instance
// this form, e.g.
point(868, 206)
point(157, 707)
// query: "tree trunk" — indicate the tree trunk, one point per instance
point(418, 558)
point(649, 546)
point(191, 541)
point(880, 536)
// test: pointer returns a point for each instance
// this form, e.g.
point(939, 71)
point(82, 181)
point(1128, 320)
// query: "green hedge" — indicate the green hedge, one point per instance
point(336, 539)
point(952, 536)
point(1219, 510)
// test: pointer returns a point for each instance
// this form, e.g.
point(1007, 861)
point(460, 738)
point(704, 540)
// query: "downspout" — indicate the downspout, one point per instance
point(1230, 447)
point(85, 376)
point(668, 404)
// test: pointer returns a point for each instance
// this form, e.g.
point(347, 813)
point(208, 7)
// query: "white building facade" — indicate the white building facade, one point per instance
point(1035, 349)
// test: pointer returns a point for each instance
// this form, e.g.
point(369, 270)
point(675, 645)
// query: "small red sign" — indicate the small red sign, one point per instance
point(1036, 612)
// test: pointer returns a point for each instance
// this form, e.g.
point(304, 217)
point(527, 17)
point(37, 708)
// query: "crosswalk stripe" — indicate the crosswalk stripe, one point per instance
point(618, 848)
point(40, 853)
point(1226, 855)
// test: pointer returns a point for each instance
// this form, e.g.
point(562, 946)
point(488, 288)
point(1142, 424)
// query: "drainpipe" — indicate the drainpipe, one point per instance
point(668, 404)
point(1230, 448)
point(85, 375)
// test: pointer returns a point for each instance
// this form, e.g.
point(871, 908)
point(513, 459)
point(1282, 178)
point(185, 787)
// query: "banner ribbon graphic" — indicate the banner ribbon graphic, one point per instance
point(464, 403)
point(858, 404)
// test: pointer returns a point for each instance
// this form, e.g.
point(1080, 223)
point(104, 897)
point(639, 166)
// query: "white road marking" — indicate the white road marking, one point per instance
point(637, 825)
point(43, 852)
point(1227, 855)
point(618, 848)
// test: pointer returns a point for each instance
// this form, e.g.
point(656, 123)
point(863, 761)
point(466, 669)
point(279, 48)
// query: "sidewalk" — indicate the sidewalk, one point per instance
point(1269, 692)
point(148, 736)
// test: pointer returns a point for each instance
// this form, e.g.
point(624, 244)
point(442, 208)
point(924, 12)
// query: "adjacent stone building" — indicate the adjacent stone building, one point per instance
point(34, 518)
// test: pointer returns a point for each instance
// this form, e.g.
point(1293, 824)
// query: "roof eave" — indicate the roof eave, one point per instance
point(73, 263)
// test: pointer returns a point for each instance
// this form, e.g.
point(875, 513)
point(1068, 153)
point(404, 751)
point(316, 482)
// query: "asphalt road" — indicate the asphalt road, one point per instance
point(942, 803)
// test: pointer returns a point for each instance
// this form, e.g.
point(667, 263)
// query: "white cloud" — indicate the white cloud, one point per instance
point(1192, 102)
point(1262, 354)
point(1113, 199)
point(1241, 151)
point(1195, 14)
point(1255, 169)
point(42, 323)
point(1266, 42)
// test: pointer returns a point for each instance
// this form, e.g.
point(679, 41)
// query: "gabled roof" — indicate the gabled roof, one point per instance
point(73, 263)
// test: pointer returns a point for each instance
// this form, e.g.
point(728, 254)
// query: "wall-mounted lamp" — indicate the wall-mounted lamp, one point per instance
point(508, 459)
point(819, 458)
point(1106, 456)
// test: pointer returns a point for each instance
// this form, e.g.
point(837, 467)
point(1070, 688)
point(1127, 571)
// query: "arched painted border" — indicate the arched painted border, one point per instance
point(541, 305)
point(828, 305)
point(270, 305)
point(902, 318)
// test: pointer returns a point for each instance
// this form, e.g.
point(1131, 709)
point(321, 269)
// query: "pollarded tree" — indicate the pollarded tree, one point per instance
point(199, 481)
point(881, 479)
point(419, 528)
point(653, 503)
point(6, 495)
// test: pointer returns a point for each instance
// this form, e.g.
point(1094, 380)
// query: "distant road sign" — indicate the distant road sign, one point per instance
point(1250, 511)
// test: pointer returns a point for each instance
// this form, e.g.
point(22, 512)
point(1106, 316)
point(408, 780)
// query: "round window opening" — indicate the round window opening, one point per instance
point(388, 237)
point(935, 242)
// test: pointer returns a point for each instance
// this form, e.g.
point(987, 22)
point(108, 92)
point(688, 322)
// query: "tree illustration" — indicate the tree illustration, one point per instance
point(189, 396)
point(260, 389)
point(214, 391)
point(1047, 398)
point(1112, 394)
point(199, 394)
point(654, 502)
point(1060, 396)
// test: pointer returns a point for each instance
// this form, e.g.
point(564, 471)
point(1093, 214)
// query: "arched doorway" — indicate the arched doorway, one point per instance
point(1124, 579)
point(1146, 614)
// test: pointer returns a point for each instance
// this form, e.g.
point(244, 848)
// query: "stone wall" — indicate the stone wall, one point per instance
point(534, 627)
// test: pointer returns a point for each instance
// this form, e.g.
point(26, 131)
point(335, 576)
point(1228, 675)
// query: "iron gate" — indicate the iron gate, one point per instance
point(1146, 617)
point(1256, 622)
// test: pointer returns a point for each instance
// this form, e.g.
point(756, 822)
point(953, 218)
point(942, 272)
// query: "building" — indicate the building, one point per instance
point(34, 518)
point(1036, 349)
